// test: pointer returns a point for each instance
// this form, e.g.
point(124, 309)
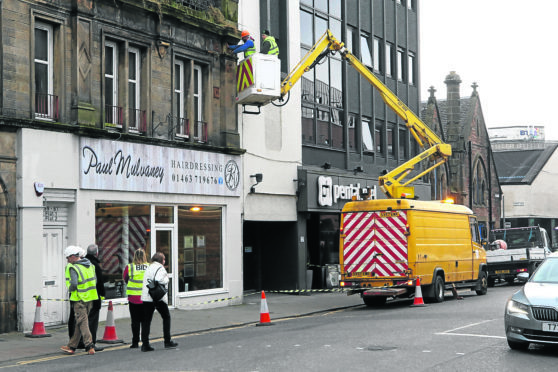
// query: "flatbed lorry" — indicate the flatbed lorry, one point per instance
point(515, 250)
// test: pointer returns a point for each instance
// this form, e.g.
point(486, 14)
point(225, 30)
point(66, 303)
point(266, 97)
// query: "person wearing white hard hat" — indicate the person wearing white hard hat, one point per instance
point(81, 284)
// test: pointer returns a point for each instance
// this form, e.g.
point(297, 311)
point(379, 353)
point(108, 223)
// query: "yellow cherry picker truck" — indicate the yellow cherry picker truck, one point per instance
point(388, 246)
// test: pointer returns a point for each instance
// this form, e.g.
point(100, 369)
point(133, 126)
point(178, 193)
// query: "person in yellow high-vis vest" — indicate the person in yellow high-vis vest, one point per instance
point(81, 283)
point(133, 276)
point(247, 46)
point(269, 45)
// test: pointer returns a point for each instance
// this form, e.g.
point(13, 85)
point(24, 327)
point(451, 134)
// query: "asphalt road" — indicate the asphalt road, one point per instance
point(456, 335)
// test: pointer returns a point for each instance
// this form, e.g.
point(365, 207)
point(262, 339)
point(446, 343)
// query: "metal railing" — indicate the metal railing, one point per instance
point(114, 115)
point(182, 127)
point(46, 106)
point(137, 120)
point(200, 131)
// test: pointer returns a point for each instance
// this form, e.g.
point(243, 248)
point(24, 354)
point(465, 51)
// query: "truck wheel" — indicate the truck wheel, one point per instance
point(438, 289)
point(491, 281)
point(374, 301)
point(483, 284)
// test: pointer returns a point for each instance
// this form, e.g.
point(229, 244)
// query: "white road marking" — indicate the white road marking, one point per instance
point(469, 335)
point(451, 331)
point(470, 325)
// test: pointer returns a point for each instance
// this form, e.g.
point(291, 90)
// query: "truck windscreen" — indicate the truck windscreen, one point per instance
point(517, 238)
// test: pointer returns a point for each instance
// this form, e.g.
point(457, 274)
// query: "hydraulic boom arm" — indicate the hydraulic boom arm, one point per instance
point(393, 183)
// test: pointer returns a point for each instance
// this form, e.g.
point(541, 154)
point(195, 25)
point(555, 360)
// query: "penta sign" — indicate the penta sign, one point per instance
point(329, 194)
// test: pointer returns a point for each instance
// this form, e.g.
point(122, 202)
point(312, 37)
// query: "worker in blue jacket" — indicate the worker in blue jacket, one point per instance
point(248, 46)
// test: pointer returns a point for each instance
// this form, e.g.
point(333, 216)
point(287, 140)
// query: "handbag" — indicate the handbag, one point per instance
point(156, 290)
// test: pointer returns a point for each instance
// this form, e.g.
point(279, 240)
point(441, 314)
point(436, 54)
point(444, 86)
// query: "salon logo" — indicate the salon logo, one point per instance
point(232, 175)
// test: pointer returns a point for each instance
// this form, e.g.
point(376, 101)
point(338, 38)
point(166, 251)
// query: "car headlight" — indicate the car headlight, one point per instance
point(517, 308)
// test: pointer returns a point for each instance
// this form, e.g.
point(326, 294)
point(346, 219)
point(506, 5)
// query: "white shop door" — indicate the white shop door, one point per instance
point(54, 285)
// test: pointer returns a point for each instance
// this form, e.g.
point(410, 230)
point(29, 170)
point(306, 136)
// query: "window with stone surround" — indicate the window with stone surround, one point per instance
point(46, 101)
point(124, 60)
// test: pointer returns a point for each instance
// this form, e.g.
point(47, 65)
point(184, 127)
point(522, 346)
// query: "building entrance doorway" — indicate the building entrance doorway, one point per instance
point(53, 280)
point(164, 244)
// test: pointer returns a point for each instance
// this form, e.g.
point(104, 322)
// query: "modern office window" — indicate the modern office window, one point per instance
point(308, 130)
point(322, 83)
point(351, 42)
point(411, 69)
point(335, 83)
point(377, 54)
point(322, 87)
point(335, 27)
point(322, 119)
point(411, 5)
point(337, 129)
point(46, 103)
point(366, 55)
point(402, 144)
point(321, 5)
point(389, 59)
point(379, 137)
point(306, 29)
point(390, 144)
point(320, 27)
point(401, 73)
point(351, 124)
point(367, 130)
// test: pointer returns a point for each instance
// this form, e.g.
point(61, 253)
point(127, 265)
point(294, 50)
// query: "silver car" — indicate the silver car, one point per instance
point(532, 312)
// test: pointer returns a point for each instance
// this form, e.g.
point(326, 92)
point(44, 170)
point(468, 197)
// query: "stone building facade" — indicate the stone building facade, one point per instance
point(470, 175)
point(119, 119)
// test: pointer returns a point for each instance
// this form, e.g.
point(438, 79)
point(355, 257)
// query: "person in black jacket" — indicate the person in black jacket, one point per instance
point(93, 316)
point(92, 255)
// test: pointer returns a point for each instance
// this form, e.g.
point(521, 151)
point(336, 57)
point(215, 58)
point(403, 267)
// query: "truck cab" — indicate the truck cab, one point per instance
point(515, 250)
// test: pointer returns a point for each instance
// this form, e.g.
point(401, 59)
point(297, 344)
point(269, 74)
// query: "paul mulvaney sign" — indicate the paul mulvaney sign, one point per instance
point(112, 165)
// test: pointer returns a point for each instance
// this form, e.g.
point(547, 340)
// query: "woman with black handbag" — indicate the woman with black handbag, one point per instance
point(155, 276)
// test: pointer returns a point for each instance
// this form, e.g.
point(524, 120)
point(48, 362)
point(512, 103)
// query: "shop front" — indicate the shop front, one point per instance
point(321, 199)
point(127, 196)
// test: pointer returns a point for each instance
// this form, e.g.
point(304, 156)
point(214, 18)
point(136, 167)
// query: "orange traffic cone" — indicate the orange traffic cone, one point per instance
point(265, 320)
point(418, 295)
point(38, 325)
point(110, 329)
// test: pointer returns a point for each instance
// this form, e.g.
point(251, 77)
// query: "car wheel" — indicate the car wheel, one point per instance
point(374, 301)
point(438, 289)
point(518, 345)
point(483, 284)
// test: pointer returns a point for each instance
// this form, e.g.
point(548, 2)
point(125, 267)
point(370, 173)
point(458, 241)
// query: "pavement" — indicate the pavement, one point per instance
point(16, 347)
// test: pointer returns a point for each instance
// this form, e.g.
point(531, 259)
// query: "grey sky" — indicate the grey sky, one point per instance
point(507, 47)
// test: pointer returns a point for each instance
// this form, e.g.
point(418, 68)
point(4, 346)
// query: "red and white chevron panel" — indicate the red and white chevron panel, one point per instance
point(113, 235)
point(375, 243)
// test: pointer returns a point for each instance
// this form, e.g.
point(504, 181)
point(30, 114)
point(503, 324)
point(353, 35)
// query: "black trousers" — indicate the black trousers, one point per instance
point(93, 317)
point(148, 310)
point(136, 315)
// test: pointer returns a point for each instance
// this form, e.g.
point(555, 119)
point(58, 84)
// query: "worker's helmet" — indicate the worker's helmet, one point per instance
point(500, 244)
point(244, 33)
